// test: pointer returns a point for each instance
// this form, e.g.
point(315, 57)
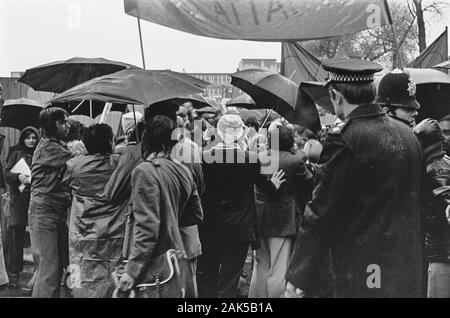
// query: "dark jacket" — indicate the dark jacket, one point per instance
point(279, 214)
point(49, 159)
point(164, 198)
point(20, 201)
point(229, 202)
point(366, 207)
point(437, 222)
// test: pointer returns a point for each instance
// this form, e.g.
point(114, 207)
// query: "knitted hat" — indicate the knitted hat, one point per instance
point(230, 128)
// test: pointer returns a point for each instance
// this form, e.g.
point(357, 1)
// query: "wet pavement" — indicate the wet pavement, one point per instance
point(20, 291)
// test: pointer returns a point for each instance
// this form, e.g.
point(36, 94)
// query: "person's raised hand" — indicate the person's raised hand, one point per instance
point(277, 179)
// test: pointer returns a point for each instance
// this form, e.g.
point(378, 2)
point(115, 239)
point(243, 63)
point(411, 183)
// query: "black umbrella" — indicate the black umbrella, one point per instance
point(198, 101)
point(89, 108)
point(319, 94)
point(242, 101)
point(188, 78)
point(268, 90)
point(130, 86)
point(57, 77)
point(20, 113)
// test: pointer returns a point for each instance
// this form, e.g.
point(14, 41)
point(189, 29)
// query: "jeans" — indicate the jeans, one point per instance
point(49, 236)
point(439, 280)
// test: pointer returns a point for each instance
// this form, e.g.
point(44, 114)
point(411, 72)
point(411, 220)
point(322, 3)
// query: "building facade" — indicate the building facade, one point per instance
point(264, 64)
point(220, 89)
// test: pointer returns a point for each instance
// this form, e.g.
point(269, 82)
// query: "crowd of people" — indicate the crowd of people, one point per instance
point(360, 212)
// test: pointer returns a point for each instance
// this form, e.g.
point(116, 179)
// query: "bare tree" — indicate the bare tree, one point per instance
point(421, 7)
point(378, 44)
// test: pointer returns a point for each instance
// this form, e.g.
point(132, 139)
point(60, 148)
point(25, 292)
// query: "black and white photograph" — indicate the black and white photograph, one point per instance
point(224, 154)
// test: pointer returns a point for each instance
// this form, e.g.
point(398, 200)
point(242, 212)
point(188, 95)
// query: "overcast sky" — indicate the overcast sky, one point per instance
point(35, 32)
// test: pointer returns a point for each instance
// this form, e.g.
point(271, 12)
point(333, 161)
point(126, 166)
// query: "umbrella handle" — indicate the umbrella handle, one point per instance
point(267, 118)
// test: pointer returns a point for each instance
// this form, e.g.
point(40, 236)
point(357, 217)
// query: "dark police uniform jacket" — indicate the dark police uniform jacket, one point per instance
point(365, 210)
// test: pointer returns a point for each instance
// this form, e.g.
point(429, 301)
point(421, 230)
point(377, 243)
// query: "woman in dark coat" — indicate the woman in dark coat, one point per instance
point(20, 200)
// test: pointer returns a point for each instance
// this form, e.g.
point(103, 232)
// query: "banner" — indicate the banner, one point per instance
point(435, 53)
point(263, 20)
point(299, 65)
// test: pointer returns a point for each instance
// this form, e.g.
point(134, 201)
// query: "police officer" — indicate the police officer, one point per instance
point(397, 96)
point(365, 211)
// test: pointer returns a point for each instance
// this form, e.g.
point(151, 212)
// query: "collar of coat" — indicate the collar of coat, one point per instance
point(365, 111)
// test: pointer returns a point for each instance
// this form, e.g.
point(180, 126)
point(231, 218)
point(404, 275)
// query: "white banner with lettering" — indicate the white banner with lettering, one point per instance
point(263, 20)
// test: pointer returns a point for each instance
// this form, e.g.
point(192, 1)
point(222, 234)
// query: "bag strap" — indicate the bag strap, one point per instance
point(130, 220)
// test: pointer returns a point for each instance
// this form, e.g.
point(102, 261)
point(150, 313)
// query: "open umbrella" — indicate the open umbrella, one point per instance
point(198, 101)
point(445, 64)
point(130, 86)
point(243, 101)
point(88, 108)
point(57, 77)
point(268, 90)
point(20, 113)
point(188, 78)
point(433, 92)
point(318, 93)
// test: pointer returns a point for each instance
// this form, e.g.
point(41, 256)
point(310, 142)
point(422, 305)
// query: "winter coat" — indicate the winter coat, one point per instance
point(19, 201)
point(367, 210)
point(279, 214)
point(229, 201)
point(437, 224)
point(165, 198)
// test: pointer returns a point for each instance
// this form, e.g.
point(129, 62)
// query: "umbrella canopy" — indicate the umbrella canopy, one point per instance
point(57, 77)
point(84, 107)
point(198, 101)
point(20, 113)
point(188, 78)
point(243, 101)
point(268, 90)
point(428, 76)
point(259, 114)
point(130, 86)
point(445, 64)
point(318, 93)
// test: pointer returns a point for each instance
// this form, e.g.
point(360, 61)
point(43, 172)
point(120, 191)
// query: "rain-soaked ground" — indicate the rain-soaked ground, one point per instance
point(26, 275)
